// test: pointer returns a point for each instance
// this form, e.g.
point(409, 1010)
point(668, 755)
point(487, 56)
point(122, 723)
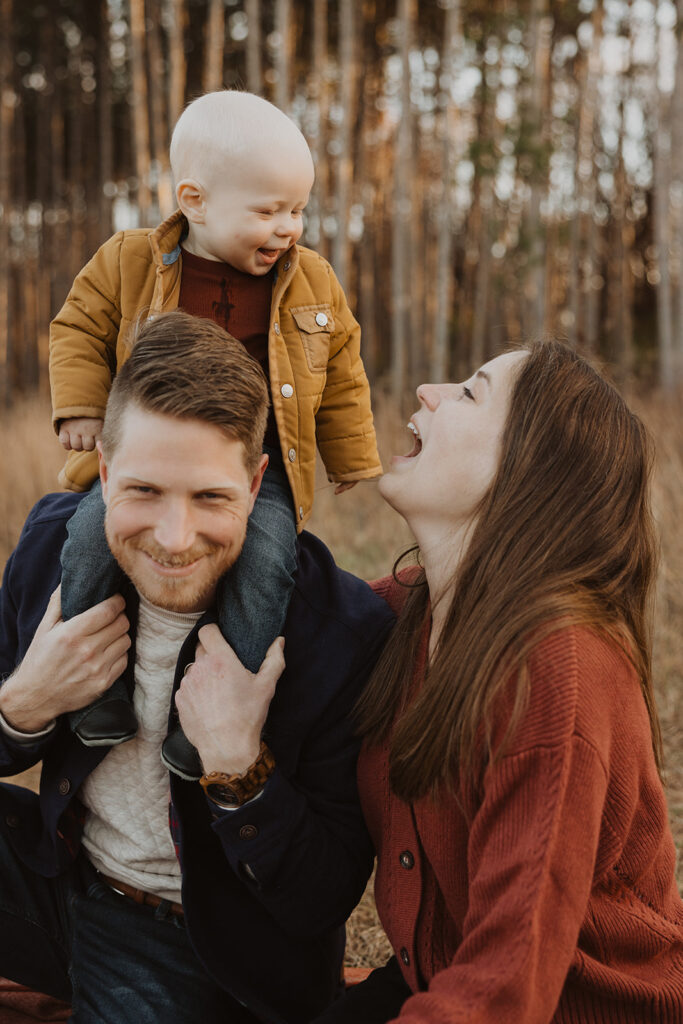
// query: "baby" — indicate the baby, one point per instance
point(244, 173)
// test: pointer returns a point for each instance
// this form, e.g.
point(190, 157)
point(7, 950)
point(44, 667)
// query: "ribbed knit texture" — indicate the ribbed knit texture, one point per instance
point(126, 833)
point(553, 899)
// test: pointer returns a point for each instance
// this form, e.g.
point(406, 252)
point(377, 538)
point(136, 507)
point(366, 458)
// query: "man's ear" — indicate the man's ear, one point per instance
point(256, 481)
point(104, 472)
point(191, 198)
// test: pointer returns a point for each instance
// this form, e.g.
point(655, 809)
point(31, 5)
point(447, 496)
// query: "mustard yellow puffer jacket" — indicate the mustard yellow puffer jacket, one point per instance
point(318, 385)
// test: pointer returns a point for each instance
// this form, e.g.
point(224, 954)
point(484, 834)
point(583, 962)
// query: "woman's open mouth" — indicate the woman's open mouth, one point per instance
point(417, 446)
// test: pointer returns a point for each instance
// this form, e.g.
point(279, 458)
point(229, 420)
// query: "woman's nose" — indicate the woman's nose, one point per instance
point(429, 395)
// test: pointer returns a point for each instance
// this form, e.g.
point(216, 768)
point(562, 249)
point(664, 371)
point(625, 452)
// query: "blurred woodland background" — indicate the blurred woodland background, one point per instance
point(486, 172)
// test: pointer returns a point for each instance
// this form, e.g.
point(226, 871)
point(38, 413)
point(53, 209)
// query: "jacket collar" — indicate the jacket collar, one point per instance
point(165, 240)
point(165, 245)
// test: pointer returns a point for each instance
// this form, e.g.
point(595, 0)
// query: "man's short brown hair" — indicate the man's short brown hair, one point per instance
point(190, 368)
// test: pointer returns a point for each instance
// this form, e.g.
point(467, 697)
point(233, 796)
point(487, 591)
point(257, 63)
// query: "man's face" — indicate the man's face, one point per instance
point(177, 496)
point(251, 220)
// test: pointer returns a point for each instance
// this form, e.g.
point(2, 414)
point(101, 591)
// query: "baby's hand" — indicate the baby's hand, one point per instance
point(340, 488)
point(80, 435)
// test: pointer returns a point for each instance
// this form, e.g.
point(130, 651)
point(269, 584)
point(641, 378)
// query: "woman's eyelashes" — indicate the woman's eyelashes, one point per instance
point(467, 393)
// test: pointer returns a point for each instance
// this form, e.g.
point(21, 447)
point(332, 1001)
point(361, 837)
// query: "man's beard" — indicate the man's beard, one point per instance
point(181, 594)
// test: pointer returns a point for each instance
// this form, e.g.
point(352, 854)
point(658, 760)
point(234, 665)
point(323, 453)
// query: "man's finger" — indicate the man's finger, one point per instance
point(99, 616)
point(53, 612)
point(212, 640)
point(273, 664)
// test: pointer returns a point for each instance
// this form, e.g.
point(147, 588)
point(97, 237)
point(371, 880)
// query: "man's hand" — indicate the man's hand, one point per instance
point(68, 664)
point(80, 435)
point(222, 706)
point(340, 488)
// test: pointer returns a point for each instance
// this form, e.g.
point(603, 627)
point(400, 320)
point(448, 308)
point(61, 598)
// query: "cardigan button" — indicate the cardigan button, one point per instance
point(405, 956)
point(248, 832)
point(407, 860)
point(63, 787)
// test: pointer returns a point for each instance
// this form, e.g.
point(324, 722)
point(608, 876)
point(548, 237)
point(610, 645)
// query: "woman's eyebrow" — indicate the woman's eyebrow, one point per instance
point(484, 374)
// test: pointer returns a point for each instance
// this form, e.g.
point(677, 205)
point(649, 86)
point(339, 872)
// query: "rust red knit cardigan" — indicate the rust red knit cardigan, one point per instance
point(553, 899)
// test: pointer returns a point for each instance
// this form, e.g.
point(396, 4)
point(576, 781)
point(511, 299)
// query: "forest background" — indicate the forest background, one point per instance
point(487, 172)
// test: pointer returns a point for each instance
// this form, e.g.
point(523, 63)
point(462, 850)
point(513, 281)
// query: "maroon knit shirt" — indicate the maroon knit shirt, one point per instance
point(552, 898)
point(238, 302)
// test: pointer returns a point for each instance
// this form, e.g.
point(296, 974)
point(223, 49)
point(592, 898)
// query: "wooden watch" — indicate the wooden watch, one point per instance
point(234, 790)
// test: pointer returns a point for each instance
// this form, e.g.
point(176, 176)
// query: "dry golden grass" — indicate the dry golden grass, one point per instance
point(366, 536)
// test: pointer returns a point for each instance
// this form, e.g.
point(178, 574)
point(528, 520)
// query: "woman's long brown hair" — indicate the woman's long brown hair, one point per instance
point(564, 536)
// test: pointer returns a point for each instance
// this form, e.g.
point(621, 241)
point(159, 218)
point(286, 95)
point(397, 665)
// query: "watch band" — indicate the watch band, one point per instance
point(234, 790)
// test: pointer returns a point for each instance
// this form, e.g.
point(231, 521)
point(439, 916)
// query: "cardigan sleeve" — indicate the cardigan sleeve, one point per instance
point(533, 841)
point(531, 858)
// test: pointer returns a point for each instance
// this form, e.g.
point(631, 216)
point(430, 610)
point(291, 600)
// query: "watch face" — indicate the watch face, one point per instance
point(223, 794)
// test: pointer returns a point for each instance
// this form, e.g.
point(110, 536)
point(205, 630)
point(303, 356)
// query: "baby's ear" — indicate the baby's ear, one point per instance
point(192, 200)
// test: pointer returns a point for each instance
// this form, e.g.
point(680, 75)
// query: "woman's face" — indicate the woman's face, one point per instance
point(456, 453)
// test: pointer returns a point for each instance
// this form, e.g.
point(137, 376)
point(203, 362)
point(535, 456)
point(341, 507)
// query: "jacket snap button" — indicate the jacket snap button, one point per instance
point(287, 265)
point(248, 832)
point(12, 821)
point(291, 454)
point(407, 860)
point(276, 328)
point(321, 319)
point(301, 511)
point(286, 390)
point(405, 957)
point(63, 787)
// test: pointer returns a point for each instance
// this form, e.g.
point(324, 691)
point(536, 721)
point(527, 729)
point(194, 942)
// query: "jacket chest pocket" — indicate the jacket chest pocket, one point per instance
point(315, 325)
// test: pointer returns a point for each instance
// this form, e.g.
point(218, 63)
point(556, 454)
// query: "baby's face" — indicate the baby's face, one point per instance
point(251, 219)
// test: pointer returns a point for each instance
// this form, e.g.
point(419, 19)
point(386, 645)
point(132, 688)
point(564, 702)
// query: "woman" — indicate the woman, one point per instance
point(510, 769)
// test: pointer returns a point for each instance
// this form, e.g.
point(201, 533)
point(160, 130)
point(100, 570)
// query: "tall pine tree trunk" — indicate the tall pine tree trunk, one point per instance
point(254, 72)
point(139, 103)
point(214, 46)
point(344, 163)
point(444, 260)
point(401, 249)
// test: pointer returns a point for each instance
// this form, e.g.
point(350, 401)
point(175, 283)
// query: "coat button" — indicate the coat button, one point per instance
point(12, 821)
point(321, 319)
point(276, 328)
point(248, 832)
point(291, 454)
point(286, 390)
point(64, 787)
point(301, 511)
point(405, 956)
point(407, 860)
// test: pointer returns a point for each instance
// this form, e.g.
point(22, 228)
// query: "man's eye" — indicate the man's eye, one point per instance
point(141, 489)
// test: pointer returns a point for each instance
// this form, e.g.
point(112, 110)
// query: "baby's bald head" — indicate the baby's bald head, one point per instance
point(228, 133)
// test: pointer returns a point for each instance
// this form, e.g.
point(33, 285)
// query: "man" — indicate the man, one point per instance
point(246, 922)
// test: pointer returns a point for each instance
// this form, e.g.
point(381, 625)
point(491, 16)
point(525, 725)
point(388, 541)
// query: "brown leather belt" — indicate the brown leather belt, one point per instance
point(146, 899)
